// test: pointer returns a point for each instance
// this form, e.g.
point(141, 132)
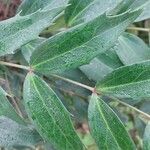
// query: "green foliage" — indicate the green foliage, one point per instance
point(128, 81)
point(14, 134)
point(30, 6)
point(19, 30)
point(106, 127)
point(7, 109)
point(84, 40)
point(130, 45)
point(81, 11)
point(30, 47)
point(146, 142)
point(50, 117)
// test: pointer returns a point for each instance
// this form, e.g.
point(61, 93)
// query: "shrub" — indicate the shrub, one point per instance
point(78, 66)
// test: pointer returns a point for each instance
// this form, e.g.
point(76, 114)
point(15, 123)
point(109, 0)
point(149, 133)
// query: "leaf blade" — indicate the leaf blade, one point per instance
point(83, 11)
point(6, 109)
point(130, 81)
point(85, 42)
point(29, 48)
point(15, 31)
point(133, 47)
point(50, 117)
point(146, 138)
point(31, 6)
point(103, 122)
point(14, 134)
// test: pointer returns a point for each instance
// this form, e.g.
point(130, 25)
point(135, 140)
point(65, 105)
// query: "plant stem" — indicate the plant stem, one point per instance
point(12, 98)
point(133, 108)
point(15, 65)
point(149, 37)
point(71, 93)
point(139, 29)
point(92, 89)
point(76, 83)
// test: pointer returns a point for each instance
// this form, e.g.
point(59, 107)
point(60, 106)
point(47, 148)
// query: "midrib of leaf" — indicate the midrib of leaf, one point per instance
point(30, 47)
point(103, 117)
point(75, 8)
point(107, 82)
point(62, 55)
point(74, 18)
point(48, 112)
point(31, 6)
point(122, 85)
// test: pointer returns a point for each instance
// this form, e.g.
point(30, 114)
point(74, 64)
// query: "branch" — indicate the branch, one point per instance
point(139, 29)
point(12, 98)
point(15, 65)
point(145, 115)
point(92, 89)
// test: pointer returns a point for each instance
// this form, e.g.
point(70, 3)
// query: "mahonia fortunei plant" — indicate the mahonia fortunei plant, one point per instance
point(63, 52)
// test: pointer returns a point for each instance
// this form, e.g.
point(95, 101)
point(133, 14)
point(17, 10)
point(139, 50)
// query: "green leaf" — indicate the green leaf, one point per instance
point(78, 45)
point(102, 65)
point(146, 13)
point(133, 5)
point(106, 128)
point(130, 81)
point(14, 134)
point(96, 70)
point(6, 109)
point(20, 30)
point(110, 58)
point(72, 96)
point(132, 49)
point(50, 117)
point(126, 5)
point(86, 10)
point(29, 48)
point(30, 6)
point(83, 11)
point(146, 139)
